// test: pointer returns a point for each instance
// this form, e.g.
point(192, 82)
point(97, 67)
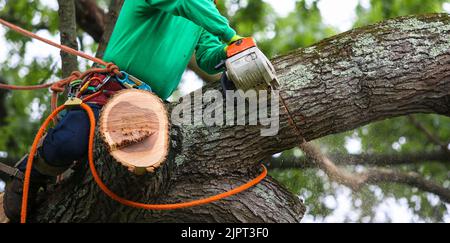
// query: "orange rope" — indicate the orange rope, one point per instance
point(61, 47)
point(104, 188)
point(26, 183)
point(93, 96)
point(59, 86)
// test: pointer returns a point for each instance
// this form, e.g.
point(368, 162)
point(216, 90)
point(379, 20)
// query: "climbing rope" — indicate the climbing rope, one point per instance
point(59, 87)
point(49, 42)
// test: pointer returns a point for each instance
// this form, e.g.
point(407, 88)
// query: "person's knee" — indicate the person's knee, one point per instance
point(62, 153)
point(73, 148)
point(69, 140)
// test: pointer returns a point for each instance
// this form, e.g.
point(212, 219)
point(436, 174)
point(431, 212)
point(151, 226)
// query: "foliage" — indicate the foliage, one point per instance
point(276, 35)
point(385, 9)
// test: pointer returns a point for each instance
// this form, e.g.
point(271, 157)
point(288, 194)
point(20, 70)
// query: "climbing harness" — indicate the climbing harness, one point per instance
point(74, 81)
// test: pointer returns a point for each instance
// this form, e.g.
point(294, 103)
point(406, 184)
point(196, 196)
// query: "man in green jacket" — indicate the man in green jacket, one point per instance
point(153, 40)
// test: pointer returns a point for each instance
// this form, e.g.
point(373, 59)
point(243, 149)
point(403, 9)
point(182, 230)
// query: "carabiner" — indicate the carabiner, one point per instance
point(124, 75)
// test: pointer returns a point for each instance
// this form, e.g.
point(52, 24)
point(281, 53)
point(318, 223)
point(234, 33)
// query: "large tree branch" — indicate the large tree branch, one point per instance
point(91, 18)
point(114, 10)
point(376, 176)
point(394, 68)
point(341, 159)
point(411, 179)
point(373, 176)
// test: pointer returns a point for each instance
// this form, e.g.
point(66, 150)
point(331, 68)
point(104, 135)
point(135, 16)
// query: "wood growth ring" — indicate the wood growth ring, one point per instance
point(135, 128)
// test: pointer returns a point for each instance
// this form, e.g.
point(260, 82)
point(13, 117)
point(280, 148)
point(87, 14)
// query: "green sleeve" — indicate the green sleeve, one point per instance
point(204, 13)
point(209, 52)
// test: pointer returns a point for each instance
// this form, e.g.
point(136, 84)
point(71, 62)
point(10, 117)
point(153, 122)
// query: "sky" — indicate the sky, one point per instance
point(339, 14)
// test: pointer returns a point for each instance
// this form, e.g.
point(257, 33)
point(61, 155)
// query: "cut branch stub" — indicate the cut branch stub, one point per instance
point(134, 126)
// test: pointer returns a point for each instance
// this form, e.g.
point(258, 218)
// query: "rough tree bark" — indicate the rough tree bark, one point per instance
point(68, 30)
point(111, 18)
point(394, 68)
point(91, 18)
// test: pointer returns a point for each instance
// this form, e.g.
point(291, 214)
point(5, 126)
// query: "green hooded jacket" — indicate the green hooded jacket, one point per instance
point(155, 39)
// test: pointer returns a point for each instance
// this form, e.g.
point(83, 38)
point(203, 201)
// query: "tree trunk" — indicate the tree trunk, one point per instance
point(91, 18)
point(111, 18)
point(394, 68)
point(68, 30)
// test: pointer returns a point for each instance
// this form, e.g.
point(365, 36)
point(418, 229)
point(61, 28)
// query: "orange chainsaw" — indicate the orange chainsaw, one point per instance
point(247, 67)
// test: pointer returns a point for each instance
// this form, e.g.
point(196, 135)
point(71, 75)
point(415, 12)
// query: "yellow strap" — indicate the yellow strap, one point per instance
point(73, 102)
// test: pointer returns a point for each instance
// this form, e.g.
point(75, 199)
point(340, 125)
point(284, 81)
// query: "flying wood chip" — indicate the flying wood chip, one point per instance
point(134, 126)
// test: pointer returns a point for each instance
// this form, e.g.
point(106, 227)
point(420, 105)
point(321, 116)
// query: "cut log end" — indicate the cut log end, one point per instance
point(135, 128)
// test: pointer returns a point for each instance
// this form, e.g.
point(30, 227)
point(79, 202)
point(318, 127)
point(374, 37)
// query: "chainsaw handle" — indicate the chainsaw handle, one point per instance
point(221, 65)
